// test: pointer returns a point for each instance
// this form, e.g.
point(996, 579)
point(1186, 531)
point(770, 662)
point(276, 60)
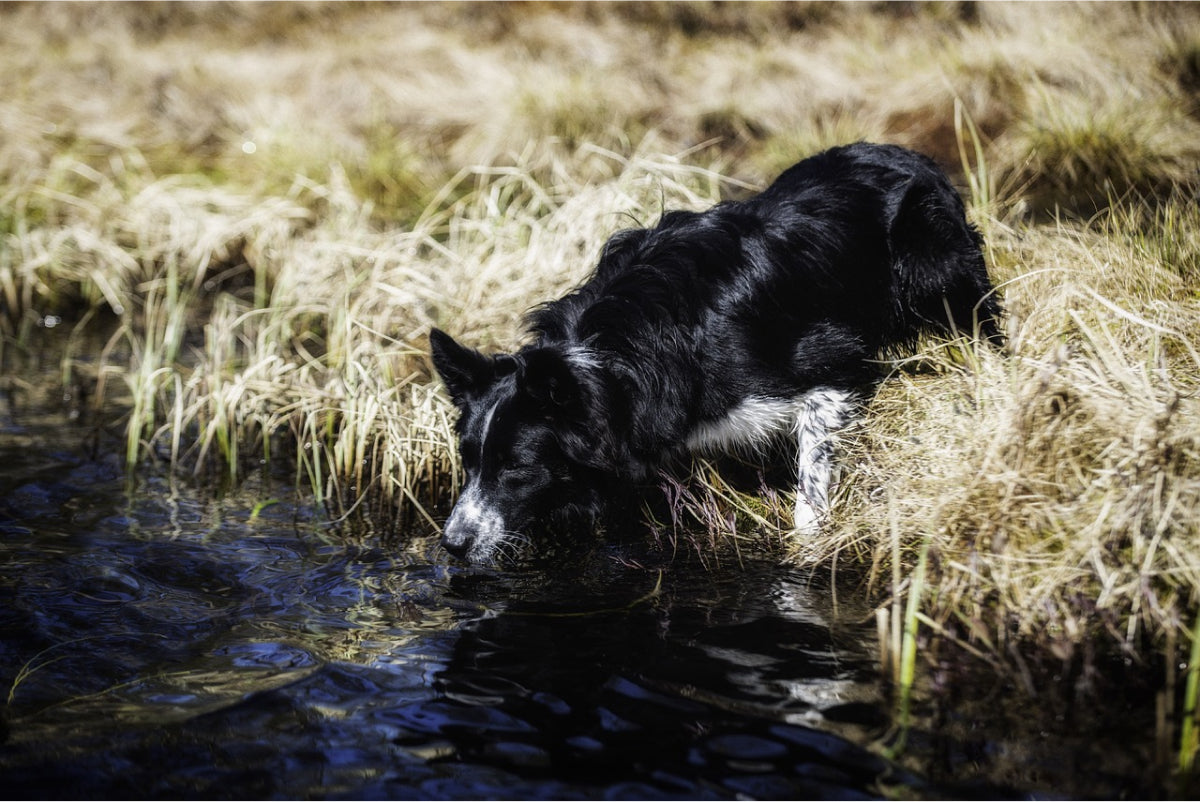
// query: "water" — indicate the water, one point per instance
point(156, 641)
point(173, 648)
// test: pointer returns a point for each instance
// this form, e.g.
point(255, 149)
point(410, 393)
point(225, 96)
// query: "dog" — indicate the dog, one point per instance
point(713, 331)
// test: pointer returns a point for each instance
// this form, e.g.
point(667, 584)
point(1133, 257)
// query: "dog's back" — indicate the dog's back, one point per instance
point(849, 253)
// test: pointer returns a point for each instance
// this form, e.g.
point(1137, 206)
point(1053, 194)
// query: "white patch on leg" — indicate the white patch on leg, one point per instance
point(820, 414)
point(805, 518)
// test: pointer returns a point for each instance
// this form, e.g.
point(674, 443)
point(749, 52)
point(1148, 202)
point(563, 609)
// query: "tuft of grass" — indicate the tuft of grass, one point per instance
point(577, 109)
point(1166, 233)
point(836, 126)
point(1079, 160)
point(1180, 60)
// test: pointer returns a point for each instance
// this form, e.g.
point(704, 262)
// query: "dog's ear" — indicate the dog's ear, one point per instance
point(548, 379)
point(465, 371)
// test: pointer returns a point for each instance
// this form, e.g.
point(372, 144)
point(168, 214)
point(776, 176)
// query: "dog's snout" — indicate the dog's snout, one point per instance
point(475, 528)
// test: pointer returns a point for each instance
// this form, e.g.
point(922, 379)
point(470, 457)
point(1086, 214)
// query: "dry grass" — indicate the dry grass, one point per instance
point(1059, 484)
point(266, 207)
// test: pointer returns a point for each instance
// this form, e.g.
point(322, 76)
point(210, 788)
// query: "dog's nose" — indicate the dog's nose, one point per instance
point(457, 549)
point(456, 538)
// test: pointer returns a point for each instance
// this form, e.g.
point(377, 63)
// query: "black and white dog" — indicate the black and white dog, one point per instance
point(716, 330)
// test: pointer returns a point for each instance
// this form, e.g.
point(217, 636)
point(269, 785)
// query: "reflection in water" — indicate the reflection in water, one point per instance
point(691, 693)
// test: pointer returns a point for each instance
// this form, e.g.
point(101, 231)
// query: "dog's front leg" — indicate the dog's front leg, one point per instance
point(820, 414)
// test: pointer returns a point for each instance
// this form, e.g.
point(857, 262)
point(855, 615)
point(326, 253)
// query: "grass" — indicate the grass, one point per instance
point(266, 257)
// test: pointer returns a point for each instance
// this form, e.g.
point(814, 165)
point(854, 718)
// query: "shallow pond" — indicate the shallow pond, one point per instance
point(158, 642)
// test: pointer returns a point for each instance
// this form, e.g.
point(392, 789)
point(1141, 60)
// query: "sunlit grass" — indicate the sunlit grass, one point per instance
point(1077, 158)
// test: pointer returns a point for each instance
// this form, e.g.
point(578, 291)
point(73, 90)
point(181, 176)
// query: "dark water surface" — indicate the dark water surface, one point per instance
point(157, 642)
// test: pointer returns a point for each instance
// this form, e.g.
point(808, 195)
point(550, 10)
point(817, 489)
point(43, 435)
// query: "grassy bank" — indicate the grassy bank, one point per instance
point(265, 208)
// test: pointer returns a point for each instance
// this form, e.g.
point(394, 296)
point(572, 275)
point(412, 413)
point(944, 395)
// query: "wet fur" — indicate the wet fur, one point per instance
point(717, 330)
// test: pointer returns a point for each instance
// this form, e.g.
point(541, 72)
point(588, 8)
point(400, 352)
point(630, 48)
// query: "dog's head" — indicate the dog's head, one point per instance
point(529, 453)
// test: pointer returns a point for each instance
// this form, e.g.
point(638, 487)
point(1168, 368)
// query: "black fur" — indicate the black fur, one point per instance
point(851, 253)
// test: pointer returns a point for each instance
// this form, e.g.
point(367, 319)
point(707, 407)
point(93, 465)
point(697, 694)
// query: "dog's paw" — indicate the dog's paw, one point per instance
point(805, 519)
